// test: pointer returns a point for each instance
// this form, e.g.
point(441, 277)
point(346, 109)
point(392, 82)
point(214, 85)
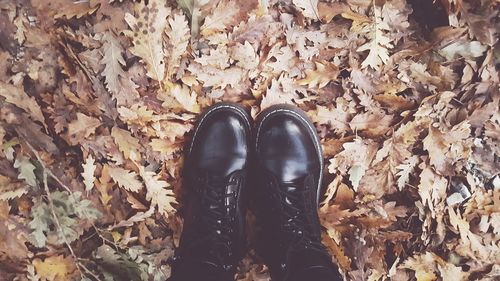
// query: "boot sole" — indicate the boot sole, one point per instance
point(302, 118)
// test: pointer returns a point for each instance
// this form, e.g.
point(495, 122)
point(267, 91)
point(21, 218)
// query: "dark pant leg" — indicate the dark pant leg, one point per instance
point(199, 272)
point(311, 265)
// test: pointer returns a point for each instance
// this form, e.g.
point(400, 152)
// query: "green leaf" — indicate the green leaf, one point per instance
point(26, 170)
point(69, 209)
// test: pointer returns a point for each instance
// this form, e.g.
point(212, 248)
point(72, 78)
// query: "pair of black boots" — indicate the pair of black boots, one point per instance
point(279, 164)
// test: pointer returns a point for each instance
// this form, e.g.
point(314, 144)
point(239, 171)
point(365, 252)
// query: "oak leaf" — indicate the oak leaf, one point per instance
point(89, 168)
point(324, 73)
point(379, 45)
point(147, 35)
point(179, 39)
point(309, 8)
point(117, 80)
point(127, 144)
point(372, 123)
point(19, 98)
point(26, 170)
point(223, 16)
point(337, 118)
point(157, 192)
point(82, 127)
point(125, 179)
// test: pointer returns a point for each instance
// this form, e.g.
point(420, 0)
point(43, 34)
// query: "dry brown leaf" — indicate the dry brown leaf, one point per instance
point(125, 179)
point(179, 39)
point(127, 144)
point(309, 8)
point(19, 98)
point(147, 35)
point(371, 123)
point(82, 128)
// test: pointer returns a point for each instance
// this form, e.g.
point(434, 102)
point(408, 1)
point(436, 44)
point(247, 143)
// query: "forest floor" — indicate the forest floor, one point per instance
point(97, 98)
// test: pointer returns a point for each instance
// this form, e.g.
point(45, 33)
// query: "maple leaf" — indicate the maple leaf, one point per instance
point(324, 73)
point(55, 268)
point(82, 127)
point(309, 8)
point(88, 173)
point(127, 144)
point(147, 35)
point(125, 179)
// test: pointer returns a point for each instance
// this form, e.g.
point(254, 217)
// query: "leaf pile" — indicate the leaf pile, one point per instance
point(97, 98)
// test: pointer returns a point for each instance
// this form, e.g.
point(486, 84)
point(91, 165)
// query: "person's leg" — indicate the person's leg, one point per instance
point(308, 264)
point(214, 176)
point(289, 165)
point(200, 271)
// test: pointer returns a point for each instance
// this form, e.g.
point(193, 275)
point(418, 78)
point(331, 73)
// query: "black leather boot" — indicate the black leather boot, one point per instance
point(215, 171)
point(288, 167)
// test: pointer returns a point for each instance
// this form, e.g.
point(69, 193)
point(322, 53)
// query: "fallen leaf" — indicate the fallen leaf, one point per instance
point(147, 35)
point(82, 127)
point(88, 173)
point(125, 179)
point(127, 144)
point(324, 73)
point(55, 268)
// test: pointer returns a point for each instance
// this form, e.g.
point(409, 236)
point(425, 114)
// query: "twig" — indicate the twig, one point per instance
point(79, 265)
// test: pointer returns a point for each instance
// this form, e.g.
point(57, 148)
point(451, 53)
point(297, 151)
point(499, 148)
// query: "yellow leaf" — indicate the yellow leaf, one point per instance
point(147, 35)
point(127, 144)
point(324, 73)
point(185, 97)
point(157, 192)
point(179, 39)
point(165, 147)
point(55, 268)
point(125, 179)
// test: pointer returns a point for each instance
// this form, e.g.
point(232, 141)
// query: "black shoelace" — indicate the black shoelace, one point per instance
point(219, 213)
point(298, 218)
